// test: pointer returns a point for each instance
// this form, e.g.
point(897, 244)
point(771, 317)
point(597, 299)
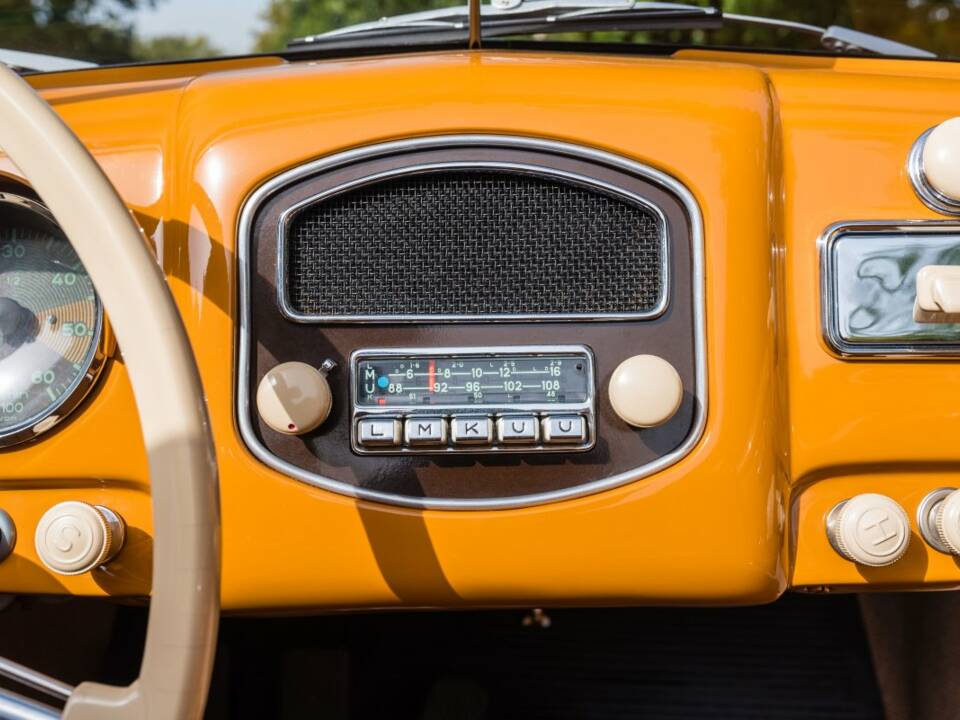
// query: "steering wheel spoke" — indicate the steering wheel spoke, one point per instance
point(184, 610)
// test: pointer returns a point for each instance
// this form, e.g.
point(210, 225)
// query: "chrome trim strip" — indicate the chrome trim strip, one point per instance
point(244, 227)
point(926, 518)
point(585, 408)
point(17, 707)
point(828, 289)
point(285, 218)
point(95, 361)
point(8, 535)
point(929, 195)
point(34, 679)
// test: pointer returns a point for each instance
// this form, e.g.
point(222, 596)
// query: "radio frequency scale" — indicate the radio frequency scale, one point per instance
point(510, 399)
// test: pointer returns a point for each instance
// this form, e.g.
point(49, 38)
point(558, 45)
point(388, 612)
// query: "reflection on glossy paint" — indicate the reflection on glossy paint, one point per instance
point(136, 172)
point(198, 250)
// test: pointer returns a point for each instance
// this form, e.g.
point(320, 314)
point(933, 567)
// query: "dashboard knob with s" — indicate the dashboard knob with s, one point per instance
point(75, 537)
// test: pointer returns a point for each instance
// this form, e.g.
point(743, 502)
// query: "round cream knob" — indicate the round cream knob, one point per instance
point(869, 529)
point(930, 518)
point(294, 398)
point(74, 537)
point(941, 158)
point(947, 519)
point(645, 391)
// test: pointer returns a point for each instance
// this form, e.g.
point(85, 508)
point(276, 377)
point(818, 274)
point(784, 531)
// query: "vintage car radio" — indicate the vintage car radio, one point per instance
point(471, 322)
point(517, 399)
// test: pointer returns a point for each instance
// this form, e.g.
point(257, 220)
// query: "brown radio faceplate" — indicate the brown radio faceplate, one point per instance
point(328, 456)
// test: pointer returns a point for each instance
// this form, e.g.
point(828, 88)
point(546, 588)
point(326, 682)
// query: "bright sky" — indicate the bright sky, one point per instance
point(229, 24)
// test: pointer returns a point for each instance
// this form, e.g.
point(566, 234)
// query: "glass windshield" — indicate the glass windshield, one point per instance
point(122, 31)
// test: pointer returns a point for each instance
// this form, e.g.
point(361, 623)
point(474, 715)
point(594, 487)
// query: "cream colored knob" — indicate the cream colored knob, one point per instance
point(294, 398)
point(869, 529)
point(645, 391)
point(938, 517)
point(947, 519)
point(74, 537)
point(941, 158)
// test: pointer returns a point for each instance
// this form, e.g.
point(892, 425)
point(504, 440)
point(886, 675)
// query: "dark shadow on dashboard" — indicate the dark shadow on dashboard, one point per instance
point(401, 544)
point(668, 437)
point(31, 574)
point(912, 565)
point(115, 91)
point(196, 255)
point(131, 572)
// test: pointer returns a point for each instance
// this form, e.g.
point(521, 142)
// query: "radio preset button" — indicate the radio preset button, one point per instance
point(518, 429)
point(561, 429)
point(471, 430)
point(425, 431)
point(379, 432)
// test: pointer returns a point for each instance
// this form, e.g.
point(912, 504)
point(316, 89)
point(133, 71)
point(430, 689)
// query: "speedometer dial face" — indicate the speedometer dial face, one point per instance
point(50, 323)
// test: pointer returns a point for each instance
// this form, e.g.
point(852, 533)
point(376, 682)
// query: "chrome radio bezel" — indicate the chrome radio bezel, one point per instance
point(586, 409)
point(325, 479)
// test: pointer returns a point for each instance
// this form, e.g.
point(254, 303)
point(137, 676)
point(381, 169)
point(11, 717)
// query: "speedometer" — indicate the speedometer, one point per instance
point(51, 322)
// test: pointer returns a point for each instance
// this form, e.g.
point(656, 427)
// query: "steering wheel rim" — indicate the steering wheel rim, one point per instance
point(184, 610)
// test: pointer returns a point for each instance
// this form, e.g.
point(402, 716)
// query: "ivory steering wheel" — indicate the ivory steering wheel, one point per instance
point(184, 610)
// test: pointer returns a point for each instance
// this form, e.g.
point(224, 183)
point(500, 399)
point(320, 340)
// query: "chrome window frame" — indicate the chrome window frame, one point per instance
point(698, 290)
point(829, 320)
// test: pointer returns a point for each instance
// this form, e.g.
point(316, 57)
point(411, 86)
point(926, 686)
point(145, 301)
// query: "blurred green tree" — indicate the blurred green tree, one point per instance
point(930, 24)
point(173, 47)
point(95, 30)
point(288, 19)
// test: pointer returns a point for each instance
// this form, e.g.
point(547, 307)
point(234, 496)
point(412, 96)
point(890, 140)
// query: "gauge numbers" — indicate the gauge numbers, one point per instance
point(50, 323)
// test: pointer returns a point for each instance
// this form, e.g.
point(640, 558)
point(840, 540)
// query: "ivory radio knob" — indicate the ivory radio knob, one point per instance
point(74, 537)
point(645, 391)
point(941, 158)
point(294, 398)
point(869, 529)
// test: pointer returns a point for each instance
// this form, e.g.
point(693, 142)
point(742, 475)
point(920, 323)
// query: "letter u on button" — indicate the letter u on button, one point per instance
point(571, 429)
point(518, 429)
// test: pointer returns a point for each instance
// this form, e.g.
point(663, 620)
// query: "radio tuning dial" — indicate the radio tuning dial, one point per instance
point(294, 398)
point(645, 391)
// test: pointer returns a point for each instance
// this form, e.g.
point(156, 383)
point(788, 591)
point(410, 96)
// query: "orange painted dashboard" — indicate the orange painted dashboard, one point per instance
point(772, 150)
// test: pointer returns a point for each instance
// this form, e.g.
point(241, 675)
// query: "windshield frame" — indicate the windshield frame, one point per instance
point(472, 37)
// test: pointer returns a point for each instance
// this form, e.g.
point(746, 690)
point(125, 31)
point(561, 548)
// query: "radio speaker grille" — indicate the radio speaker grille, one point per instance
point(474, 243)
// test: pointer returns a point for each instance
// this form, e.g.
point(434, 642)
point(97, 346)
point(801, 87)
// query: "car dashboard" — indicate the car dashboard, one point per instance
point(508, 328)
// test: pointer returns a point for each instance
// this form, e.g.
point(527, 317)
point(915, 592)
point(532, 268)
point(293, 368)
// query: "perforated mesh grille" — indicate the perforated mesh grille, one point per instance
point(473, 243)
